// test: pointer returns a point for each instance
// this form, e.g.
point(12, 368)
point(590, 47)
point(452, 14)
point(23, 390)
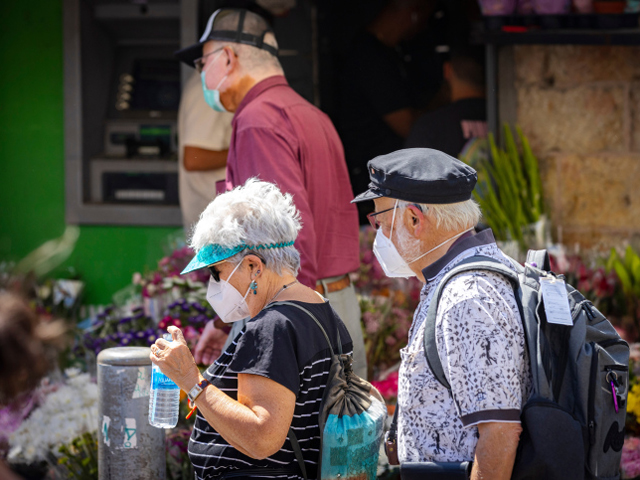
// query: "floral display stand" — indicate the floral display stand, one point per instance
point(65, 405)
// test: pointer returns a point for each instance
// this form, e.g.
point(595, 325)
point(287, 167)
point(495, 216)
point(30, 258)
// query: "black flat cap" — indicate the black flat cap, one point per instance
point(420, 175)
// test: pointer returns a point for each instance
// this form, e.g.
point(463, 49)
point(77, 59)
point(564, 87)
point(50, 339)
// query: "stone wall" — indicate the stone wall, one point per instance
point(580, 108)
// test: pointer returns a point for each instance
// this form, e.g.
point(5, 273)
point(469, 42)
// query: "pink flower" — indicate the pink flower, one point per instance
point(630, 462)
point(388, 387)
point(370, 323)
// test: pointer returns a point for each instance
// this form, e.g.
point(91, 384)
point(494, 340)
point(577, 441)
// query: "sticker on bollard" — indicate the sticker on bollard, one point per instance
point(142, 384)
point(106, 422)
point(130, 439)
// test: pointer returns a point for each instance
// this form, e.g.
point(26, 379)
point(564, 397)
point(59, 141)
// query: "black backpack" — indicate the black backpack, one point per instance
point(351, 419)
point(573, 423)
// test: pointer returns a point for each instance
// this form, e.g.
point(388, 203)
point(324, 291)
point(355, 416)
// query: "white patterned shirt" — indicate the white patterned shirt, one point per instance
point(480, 340)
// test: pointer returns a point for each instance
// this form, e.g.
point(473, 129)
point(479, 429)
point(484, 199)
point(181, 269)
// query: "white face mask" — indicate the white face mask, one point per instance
point(226, 301)
point(387, 254)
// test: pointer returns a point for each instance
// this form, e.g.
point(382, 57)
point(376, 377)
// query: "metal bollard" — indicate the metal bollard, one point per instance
point(128, 447)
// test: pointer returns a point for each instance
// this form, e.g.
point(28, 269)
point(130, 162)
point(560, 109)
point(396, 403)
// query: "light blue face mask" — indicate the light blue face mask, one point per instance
point(212, 97)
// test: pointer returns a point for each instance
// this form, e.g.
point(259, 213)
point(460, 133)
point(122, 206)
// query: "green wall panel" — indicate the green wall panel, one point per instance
point(32, 157)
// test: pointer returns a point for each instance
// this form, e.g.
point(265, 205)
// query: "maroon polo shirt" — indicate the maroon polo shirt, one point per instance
point(281, 138)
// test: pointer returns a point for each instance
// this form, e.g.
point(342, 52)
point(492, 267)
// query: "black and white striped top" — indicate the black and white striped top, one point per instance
point(285, 345)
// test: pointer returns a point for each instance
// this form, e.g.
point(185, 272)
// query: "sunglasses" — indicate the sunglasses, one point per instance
point(214, 273)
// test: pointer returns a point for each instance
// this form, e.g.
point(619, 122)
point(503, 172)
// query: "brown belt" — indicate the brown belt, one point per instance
point(334, 286)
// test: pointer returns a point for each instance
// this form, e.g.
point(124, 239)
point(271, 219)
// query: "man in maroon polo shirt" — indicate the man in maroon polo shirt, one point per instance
point(280, 137)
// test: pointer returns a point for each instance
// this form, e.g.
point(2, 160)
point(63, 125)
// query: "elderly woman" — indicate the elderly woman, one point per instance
point(273, 375)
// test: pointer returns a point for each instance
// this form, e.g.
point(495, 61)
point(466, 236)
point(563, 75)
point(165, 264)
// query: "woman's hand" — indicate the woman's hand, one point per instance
point(175, 360)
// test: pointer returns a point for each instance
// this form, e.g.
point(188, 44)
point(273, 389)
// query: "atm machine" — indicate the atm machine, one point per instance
point(122, 92)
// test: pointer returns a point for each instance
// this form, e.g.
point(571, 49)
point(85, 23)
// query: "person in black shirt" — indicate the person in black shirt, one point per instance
point(273, 376)
point(449, 128)
point(379, 102)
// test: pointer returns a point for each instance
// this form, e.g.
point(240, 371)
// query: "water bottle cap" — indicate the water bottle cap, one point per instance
point(167, 337)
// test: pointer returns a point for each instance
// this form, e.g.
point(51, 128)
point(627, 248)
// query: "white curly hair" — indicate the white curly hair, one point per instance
point(256, 213)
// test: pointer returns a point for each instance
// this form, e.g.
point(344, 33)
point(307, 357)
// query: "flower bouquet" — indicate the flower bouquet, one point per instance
point(113, 330)
point(509, 191)
point(165, 285)
point(64, 415)
point(190, 316)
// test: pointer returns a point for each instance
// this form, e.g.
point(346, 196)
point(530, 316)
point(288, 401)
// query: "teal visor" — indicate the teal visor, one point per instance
point(214, 253)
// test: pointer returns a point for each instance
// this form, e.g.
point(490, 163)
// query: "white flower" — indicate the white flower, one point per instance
point(72, 372)
point(64, 415)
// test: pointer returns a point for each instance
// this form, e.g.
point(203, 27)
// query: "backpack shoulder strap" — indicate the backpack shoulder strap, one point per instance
point(298, 452)
point(539, 259)
point(313, 317)
point(292, 436)
point(476, 262)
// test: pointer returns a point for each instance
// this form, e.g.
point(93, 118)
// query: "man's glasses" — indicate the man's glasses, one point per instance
point(374, 221)
point(199, 62)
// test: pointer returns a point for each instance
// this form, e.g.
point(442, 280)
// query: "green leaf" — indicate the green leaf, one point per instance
point(613, 256)
point(623, 275)
point(533, 174)
point(515, 163)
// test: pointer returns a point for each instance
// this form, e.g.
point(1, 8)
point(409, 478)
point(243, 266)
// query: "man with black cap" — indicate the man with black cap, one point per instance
point(281, 138)
point(425, 219)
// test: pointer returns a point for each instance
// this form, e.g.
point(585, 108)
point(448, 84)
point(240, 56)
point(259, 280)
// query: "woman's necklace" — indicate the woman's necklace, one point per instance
point(282, 290)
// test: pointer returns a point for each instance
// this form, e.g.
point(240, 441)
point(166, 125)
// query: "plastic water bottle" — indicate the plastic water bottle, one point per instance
point(164, 397)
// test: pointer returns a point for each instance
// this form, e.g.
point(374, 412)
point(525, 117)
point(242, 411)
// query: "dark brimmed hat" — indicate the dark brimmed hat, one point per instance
point(239, 33)
point(419, 175)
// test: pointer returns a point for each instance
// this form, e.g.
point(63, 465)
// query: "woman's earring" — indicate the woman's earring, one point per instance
point(254, 287)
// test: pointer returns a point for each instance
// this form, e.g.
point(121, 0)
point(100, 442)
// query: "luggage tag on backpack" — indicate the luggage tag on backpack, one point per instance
point(556, 301)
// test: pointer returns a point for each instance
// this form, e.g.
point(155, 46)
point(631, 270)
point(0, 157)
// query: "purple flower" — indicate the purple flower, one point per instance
point(198, 307)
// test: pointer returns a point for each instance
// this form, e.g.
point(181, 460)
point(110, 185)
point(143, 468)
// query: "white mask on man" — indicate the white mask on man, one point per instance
point(226, 301)
point(387, 254)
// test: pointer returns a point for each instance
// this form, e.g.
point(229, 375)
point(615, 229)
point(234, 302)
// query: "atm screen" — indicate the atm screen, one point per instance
point(156, 84)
